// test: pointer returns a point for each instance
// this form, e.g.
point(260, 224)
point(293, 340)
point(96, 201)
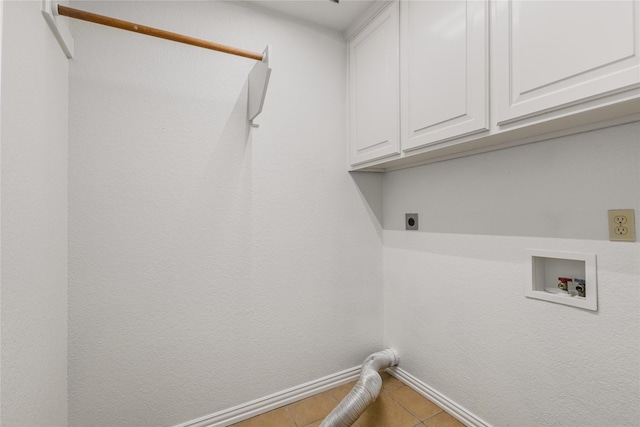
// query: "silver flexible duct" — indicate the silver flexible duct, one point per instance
point(364, 392)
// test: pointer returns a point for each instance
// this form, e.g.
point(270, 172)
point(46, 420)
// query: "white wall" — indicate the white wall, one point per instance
point(454, 294)
point(209, 264)
point(34, 220)
point(1, 24)
point(550, 189)
point(1, 31)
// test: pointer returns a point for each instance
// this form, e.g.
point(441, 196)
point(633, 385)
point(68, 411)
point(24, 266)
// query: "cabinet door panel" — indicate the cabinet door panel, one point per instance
point(374, 92)
point(552, 54)
point(444, 70)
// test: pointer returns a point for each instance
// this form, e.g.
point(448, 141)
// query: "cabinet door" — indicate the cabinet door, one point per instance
point(554, 54)
point(373, 98)
point(444, 70)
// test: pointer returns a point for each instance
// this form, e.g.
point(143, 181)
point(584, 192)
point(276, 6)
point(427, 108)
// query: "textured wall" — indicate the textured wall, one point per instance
point(34, 221)
point(558, 188)
point(211, 265)
point(454, 302)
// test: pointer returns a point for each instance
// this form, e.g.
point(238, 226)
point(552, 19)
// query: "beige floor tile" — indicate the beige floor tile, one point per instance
point(317, 424)
point(340, 392)
point(313, 408)
point(389, 382)
point(443, 420)
point(397, 406)
point(387, 412)
point(277, 417)
point(414, 402)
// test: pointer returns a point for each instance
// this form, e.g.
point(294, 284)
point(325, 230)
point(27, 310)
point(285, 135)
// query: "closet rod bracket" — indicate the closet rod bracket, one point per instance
point(258, 77)
point(258, 83)
point(59, 27)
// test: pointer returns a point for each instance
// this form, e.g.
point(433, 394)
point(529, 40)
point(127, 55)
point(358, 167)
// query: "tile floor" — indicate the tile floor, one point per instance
point(397, 406)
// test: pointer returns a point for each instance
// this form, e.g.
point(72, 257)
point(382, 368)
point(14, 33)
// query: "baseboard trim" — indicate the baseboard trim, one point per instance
point(265, 404)
point(459, 412)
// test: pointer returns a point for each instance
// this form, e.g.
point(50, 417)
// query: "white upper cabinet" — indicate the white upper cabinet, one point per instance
point(374, 89)
point(437, 79)
point(444, 70)
point(555, 54)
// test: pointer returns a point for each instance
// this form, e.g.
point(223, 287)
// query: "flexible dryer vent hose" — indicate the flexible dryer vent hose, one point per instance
point(364, 392)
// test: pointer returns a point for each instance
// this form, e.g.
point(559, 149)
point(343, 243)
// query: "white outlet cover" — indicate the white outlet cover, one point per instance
point(537, 288)
point(59, 26)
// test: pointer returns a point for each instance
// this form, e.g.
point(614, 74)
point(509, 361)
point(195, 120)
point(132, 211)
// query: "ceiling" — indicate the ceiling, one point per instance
point(322, 12)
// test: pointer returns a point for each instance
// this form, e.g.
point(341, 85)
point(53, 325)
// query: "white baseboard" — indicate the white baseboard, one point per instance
point(457, 411)
point(268, 403)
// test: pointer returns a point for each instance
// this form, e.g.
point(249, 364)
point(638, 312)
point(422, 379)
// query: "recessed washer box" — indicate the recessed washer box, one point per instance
point(547, 266)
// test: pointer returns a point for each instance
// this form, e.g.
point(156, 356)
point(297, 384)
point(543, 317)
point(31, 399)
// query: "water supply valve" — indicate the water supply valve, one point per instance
point(581, 287)
point(563, 283)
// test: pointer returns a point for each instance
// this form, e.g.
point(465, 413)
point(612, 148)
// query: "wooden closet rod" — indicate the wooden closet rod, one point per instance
point(154, 32)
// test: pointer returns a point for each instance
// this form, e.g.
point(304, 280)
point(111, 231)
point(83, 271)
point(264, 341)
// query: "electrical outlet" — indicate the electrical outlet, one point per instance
point(411, 221)
point(622, 225)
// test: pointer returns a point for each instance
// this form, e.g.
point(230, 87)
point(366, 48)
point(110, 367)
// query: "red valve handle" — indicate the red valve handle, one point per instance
point(565, 280)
